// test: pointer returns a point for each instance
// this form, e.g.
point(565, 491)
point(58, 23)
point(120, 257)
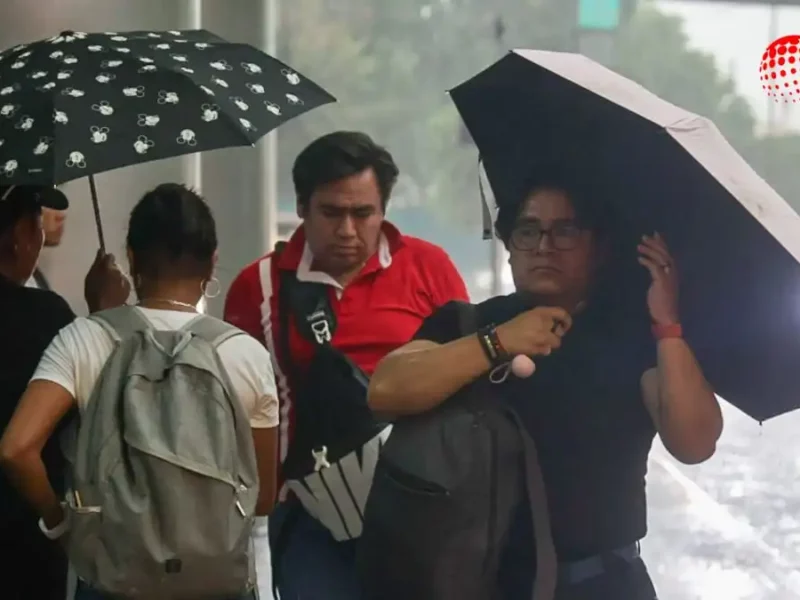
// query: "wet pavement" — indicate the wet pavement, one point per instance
point(729, 529)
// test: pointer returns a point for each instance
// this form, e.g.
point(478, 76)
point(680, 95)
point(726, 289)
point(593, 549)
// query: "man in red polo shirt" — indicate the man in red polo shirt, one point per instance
point(379, 286)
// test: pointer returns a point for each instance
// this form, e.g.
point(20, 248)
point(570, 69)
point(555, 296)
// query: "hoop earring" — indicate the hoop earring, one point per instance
point(214, 285)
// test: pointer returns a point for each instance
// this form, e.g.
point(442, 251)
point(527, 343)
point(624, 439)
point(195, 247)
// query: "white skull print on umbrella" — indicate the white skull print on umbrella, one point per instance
point(79, 104)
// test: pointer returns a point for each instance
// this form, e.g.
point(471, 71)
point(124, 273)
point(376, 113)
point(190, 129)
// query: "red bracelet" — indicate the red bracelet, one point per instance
point(496, 341)
point(664, 332)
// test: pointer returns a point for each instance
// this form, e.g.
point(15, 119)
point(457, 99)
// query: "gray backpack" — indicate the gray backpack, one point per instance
point(164, 481)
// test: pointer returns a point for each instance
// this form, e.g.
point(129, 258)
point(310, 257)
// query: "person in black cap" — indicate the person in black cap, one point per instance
point(29, 319)
point(53, 223)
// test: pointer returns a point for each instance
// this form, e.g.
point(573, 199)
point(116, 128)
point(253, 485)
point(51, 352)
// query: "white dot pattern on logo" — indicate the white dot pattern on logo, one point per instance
point(779, 69)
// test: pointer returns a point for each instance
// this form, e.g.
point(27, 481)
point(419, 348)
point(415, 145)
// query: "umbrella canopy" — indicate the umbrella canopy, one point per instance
point(79, 104)
point(659, 167)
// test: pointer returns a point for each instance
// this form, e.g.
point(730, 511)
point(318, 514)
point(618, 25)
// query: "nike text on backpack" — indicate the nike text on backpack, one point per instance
point(336, 441)
point(164, 481)
point(446, 489)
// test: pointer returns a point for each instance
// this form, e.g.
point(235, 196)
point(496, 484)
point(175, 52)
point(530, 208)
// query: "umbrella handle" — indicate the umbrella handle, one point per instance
point(486, 213)
point(96, 207)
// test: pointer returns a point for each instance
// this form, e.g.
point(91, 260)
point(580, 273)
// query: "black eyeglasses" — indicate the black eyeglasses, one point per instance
point(563, 234)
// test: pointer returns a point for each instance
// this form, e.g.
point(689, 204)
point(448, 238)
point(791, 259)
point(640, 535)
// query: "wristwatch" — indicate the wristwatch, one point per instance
point(491, 345)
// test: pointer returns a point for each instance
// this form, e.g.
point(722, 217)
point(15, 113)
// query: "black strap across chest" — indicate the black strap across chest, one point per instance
point(307, 305)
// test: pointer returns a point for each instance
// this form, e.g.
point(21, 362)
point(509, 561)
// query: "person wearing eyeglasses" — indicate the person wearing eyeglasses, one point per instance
point(612, 370)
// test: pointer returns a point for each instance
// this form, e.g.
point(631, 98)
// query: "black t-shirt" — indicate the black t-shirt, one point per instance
point(29, 320)
point(584, 409)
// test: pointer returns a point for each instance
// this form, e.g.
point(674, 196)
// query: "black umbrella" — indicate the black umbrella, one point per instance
point(79, 104)
point(659, 167)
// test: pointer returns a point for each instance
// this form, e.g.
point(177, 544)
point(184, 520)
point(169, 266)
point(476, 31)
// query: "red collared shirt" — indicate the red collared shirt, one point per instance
point(403, 283)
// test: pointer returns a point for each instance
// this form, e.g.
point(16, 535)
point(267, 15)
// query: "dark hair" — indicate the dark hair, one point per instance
point(591, 212)
point(172, 232)
point(338, 155)
point(624, 281)
point(12, 211)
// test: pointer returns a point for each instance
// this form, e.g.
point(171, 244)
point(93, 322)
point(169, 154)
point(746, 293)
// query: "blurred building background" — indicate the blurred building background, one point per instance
point(728, 530)
point(390, 64)
point(234, 181)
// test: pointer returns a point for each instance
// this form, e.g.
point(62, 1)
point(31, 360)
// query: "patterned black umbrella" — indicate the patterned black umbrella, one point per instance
point(79, 104)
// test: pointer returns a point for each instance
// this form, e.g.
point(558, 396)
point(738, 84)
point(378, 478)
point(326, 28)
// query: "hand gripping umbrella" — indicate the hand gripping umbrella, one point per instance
point(79, 104)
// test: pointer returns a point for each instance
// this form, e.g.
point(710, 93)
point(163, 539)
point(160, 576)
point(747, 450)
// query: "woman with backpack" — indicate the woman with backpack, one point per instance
point(610, 369)
point(176, 450)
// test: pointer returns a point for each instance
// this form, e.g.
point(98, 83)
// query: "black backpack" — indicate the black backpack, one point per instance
point(336, 440)
point(446, 489)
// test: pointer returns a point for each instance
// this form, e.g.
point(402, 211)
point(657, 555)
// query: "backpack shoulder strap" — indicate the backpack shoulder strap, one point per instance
point(284, 282)
point(214, 331)
point(310, 306)
point(121, 322)
point(546, 561)
point(467, 318)
point(307, 305)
